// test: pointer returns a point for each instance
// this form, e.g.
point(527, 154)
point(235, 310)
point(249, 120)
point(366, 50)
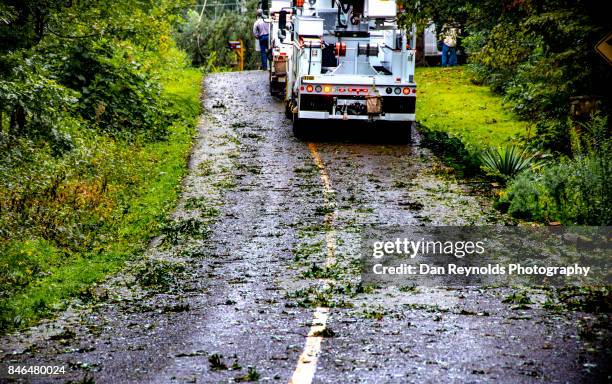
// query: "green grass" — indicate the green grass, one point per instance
point(38, 276)
point(448, 102)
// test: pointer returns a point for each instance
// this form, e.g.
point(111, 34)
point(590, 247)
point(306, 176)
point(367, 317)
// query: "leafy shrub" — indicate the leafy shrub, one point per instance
point(553, 135)
point(575, 191)
point(506, 47)
point(523, 199)
point(591, 136)
point(63, 200)
point(507, 162)
point(66, 221)
point(37, 106)
point(25, 262)
point(115, 95)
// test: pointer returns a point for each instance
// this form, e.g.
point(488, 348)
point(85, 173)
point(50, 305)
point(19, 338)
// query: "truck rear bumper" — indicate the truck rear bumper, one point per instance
point(385, 117)
point(400, 107)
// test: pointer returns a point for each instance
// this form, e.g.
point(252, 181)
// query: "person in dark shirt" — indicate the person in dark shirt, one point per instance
point(261, 30)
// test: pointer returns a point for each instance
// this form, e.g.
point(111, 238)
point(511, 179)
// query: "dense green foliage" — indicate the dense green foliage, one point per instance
point(82, 215)
point(573, 191)
point(114, 95)
point(58, 57)
point(540, 56)
point(569, 192)
point(34, 105)
point(205, 38)
point(98, 109)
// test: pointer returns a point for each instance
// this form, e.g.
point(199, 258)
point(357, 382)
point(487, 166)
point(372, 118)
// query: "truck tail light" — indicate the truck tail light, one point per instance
point(309, 88)
point(327, 89)
point(340, 49)
point(318, 88)
point(406, 91)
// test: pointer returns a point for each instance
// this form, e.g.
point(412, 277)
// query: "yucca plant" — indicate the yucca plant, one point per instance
point(507, 162)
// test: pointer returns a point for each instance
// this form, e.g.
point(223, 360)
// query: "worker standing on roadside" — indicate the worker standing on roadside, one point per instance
point(449, 45)
point(261, 30)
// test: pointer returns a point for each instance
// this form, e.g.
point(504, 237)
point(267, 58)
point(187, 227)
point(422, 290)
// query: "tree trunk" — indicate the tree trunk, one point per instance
point(18, 121)
point(40, 19)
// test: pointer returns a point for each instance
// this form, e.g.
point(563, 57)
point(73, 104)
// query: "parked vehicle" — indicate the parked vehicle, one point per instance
point(431, 50)
point(349, 61)
point(280, 47)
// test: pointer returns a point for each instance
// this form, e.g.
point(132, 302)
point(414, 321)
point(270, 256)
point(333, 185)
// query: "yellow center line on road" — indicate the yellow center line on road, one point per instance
point(307, 363)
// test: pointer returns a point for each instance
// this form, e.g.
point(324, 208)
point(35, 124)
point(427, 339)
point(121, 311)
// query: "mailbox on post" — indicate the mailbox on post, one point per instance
point(238, 48)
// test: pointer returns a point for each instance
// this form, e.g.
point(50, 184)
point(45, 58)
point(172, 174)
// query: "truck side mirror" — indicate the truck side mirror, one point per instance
point(282, 20)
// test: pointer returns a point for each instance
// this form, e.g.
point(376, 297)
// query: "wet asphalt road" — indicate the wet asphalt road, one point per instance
point(239, 291)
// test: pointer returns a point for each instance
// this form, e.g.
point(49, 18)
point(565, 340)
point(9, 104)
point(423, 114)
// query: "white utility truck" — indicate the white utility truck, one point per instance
point(280, 47)
point(350, 61)
point(431, 52)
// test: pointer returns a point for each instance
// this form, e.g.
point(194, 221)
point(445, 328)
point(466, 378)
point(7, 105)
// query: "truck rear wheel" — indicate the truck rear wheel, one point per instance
point(407, 133)
point(299, 129)
point(402, 132)
point(275, 89)
point(288, 112)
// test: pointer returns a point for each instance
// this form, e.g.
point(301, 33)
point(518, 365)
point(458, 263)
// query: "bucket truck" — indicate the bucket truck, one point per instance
point(280, 46)
point(350, 61)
